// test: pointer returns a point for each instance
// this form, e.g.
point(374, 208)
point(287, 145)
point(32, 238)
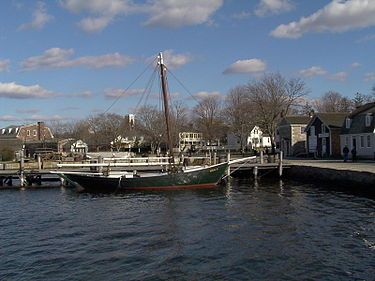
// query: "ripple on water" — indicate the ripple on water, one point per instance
point(256, 231)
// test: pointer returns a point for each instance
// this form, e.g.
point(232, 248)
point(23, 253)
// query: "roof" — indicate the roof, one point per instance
point(363, 108)
point(358, 120)
point(295, 119)
point(332, 119)
point(9, 132)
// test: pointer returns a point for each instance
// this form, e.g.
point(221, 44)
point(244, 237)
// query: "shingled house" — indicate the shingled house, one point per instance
point(323, 134)
point(290, 135)
point(31, 136)
point(358, 131)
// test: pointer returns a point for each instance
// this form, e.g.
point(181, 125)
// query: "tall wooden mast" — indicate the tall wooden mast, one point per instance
point(165, 101)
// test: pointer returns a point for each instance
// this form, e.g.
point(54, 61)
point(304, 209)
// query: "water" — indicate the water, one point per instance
point(268, 231)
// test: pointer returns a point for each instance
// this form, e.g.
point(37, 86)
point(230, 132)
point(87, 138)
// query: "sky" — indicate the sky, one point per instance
point(69, 59)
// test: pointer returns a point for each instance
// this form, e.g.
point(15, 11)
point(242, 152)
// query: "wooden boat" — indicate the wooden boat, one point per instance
point(174, 178)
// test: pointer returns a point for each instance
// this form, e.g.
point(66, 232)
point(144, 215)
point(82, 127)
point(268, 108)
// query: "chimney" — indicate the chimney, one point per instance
point(40, 130)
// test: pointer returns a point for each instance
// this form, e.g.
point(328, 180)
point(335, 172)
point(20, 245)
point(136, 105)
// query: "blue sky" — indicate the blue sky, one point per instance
point(67, 59)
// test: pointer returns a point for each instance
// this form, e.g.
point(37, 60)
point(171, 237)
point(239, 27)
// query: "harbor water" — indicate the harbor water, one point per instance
point(245, 230)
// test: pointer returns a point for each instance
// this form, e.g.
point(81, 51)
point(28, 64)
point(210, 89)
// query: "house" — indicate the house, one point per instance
point(290, 134)
point(72, 146)
point(32, 137)
point(190, 141)
point(255, 140)
point(323, 134)
point(121, 143)
point(358, 131)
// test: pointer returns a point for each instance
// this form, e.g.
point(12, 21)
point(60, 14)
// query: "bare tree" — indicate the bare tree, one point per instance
point(333, 102)
point(150, 123)
point(207, 118)
point(238, 114)
point(273, 96)
point(104, 129)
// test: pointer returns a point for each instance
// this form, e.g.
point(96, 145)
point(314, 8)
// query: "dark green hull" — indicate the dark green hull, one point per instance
point(198, 178)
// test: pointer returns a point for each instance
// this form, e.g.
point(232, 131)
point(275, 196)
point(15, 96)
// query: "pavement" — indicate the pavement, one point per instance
point(359, 166)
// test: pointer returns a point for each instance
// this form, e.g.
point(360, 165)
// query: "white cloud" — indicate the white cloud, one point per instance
point(204, 94)
point(173, 60)
point(37, 117)
point(180, 13)
point(59, 58)
point(313, 71)
point(355, 65)
point(370, 76)
point(366, 38)
point(27, 110)
point(16, 91)
point(116, 93)
point(246, 66)
point(337, 16)
point(266, 7)
point(339, 76)
point(167, 13)
point(9, 118)
point(40, 18)
point(4, 65)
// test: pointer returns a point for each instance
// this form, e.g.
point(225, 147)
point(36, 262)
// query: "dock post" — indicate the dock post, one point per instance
point(281, 164)
point(228, 160)
point(255, 172)
point(261, 157)
point(22, 166)
point(215, 158)
point(39, 163)
point(100, 161)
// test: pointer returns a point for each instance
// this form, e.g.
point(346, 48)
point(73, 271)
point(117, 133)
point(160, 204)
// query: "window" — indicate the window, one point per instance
point(362, 141)
point(303, 130)
point(34, 133)
point(28, 133)
point(368, 120)
point(368, 141)
point(348, 122)
point(323, 129)
point(347, 141)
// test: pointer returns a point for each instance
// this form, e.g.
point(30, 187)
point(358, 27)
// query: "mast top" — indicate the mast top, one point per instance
point(160, 57)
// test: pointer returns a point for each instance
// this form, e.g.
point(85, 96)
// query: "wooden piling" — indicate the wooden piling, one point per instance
point(39, 163)
point(281, 164)
point(261, 157)
point(22, 168)
point(255, 172)
point(228, 159)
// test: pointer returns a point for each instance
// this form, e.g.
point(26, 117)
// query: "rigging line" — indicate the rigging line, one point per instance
point(147, 88)
point(151, 84)
point(182, 85)
point(131, 84)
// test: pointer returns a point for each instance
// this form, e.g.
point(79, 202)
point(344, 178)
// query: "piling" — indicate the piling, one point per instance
point(261, 157)
point(228, 160)
point(39, 163)
point(255, 172)
point(22, 168)
point(281, 164)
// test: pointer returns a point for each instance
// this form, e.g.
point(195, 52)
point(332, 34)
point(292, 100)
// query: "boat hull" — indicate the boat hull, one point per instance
point(198, 178)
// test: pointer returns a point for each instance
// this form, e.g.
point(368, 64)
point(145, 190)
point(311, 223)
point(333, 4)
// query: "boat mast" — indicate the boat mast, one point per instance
point(165, 101)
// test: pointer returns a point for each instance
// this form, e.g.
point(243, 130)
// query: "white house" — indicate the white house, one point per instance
point(190, 140)
point(358, 131)
point(79, 147)
point(256, 139)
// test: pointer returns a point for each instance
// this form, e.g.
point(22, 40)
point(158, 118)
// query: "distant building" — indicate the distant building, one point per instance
point(33, 137)
point(190, 141)
point(255, 140)
point(358, 131)
point(323, 134)
point(72, 146)
point(290, 135)
point(121, 143)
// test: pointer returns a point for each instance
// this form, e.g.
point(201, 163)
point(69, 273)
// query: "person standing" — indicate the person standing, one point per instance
point(345, 151)
point(354, 154)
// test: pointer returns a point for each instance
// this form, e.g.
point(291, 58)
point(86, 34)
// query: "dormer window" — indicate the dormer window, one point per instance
point(368, 120)
point(9, 130)
point(28, 133)
point(2, 131)
point(348, 123)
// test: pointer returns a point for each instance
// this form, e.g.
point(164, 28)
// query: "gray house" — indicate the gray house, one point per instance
point(358, 131)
